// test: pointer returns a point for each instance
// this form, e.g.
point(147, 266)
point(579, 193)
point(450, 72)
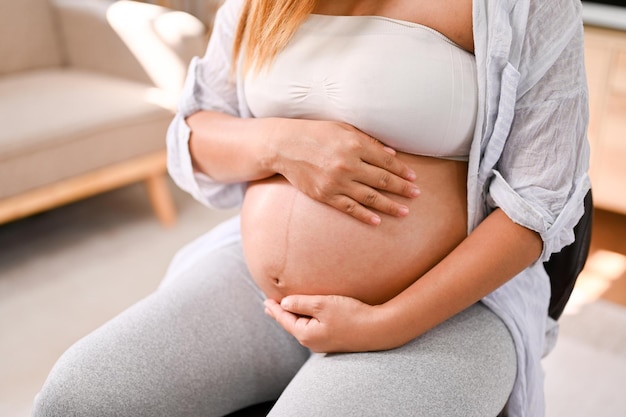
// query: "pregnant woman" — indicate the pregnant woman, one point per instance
point(403, 168)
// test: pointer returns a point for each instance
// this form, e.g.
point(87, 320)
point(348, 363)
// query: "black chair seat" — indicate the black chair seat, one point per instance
point(564, 267)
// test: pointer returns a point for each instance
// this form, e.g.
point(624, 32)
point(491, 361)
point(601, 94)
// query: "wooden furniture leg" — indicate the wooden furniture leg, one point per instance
point(161, 199)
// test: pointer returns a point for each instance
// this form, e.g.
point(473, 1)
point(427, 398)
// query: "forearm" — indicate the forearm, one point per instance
point(332, 162)
point(490, 256)
point(231, 149)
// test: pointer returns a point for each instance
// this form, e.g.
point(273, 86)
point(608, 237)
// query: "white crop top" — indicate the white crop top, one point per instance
point(402, 83)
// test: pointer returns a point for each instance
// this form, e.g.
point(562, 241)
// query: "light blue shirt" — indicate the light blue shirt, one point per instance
point(529, 155)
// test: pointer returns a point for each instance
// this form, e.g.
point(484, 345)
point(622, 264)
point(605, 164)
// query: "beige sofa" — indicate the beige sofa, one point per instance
point(87, 90)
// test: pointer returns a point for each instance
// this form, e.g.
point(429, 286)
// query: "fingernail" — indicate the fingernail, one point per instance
point(376, 220)
point(411, 175)
point(414, 192)
point(389, 150)
point(403, 210)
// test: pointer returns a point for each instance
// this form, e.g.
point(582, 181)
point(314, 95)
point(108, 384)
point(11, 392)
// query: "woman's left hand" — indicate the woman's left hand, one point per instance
point(329, 323)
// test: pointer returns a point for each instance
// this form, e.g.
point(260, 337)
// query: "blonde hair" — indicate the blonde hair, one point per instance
point(265, 28)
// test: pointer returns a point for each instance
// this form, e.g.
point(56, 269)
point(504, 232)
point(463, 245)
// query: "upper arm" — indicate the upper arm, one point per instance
point(210, 85)
point(541, 177)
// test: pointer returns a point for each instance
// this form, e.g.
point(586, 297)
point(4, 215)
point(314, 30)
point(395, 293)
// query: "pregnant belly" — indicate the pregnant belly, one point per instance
point(296, 245)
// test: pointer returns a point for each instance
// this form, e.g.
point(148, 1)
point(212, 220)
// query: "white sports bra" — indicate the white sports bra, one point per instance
point(405, 84)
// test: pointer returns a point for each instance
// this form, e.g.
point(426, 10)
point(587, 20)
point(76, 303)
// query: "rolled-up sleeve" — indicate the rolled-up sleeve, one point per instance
point(541, 178)
point(210, 85)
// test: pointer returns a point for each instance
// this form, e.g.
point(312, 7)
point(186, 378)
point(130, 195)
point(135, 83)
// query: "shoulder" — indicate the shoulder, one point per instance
point(551, 26)
point(555, 13)
point(550, 15)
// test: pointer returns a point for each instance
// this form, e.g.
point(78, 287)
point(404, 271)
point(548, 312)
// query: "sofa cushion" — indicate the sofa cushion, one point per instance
point(29, 38)
point(59, 123)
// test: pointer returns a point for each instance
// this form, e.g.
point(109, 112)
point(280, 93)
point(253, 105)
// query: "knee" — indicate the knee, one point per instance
point(56, 400)
point(51, 402)
point(65, 392)
point(78, 385)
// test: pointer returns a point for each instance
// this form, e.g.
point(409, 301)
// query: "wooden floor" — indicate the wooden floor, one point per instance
point(604, 275)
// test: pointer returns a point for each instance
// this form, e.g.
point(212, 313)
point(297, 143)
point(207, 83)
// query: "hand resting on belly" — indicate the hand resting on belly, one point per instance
point(296, 245)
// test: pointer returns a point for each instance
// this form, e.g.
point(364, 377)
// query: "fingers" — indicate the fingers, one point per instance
point(304, 327)
point(286, 319)
point(372, 198)
point(354, 173)
point(382, 170)
point(380, 179)
point(295, 306)
point(304, 305)
point(365, 197)
point(356, 209)
point(387, 160)
point(323, 323)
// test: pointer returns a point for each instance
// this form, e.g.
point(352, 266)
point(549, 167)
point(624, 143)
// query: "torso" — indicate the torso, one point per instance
point(294, 244)
point(402, 83)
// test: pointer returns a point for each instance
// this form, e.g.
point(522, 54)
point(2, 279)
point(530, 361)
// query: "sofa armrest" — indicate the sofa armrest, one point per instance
point(137, 41)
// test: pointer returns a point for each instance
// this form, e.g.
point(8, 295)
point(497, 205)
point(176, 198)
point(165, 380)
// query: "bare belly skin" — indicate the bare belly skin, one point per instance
point(296, 245)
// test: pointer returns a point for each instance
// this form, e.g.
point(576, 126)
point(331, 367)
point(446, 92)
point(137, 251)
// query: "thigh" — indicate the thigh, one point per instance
point(464, 367)
point(200, 346)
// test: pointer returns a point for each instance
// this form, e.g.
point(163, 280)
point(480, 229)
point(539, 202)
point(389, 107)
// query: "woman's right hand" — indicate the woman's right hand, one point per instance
point(339, 165)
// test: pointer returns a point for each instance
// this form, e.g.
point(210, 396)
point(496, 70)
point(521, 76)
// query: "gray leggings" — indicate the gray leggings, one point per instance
point(202, 346)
